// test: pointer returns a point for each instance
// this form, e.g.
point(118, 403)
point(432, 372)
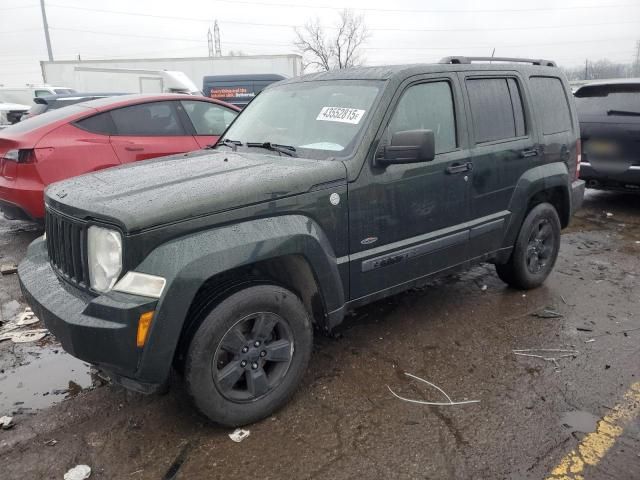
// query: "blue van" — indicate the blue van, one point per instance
point(238, 90)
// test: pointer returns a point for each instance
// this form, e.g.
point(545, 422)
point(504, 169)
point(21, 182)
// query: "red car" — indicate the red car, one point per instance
point(98, 134)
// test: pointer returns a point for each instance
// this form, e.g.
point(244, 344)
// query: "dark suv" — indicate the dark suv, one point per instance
point(609, 115)
point(330, 191)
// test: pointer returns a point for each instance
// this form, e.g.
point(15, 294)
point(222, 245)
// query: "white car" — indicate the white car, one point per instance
point(11, 113)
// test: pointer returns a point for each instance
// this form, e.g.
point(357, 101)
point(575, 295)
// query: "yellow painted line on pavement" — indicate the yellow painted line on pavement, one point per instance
point(594, 446)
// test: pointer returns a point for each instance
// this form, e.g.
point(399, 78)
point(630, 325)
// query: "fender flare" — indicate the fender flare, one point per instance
point(187, 262)
point(532, 182)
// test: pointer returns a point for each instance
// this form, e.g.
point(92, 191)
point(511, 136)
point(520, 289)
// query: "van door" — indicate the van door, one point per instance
point(407, 221)
point(504, 146)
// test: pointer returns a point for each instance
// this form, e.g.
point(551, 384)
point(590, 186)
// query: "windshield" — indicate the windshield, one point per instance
point(319, 119)
point(608, 100)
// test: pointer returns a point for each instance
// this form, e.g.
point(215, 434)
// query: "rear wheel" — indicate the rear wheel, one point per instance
point(248, 355)
point(535, 251)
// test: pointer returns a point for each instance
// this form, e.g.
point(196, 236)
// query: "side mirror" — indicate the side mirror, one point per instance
point(409, 146)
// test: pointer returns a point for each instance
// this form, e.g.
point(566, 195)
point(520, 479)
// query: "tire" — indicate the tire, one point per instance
point(252, 326)
point(535, 251)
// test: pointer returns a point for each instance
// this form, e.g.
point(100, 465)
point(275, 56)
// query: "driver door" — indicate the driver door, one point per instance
point(408, 221)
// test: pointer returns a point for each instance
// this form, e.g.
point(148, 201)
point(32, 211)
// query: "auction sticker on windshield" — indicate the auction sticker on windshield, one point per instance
point(341, 114)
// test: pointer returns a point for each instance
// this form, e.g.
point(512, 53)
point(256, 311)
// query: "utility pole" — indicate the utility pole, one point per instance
point(216, 36)
point(46, 30)
point(586, 69)
point(636, 67)
point(210, 42)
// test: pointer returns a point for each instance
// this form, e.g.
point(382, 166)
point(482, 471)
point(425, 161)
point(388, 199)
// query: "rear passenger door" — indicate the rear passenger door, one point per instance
point(149, 130)
point(559, 133)
point(504, 146)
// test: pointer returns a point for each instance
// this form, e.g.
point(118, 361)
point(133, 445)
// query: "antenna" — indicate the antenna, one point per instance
point(216, 35)
point(210, 42)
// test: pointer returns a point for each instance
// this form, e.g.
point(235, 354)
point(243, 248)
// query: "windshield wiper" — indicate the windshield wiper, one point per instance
point(227, 143)
point(275, 147)
point(623, 112)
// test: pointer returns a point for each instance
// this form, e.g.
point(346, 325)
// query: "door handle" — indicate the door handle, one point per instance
point(134, 149)
point(459, 168)
point(532, 152)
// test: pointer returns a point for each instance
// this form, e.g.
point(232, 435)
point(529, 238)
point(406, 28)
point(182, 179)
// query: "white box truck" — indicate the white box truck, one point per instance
point(101, 79)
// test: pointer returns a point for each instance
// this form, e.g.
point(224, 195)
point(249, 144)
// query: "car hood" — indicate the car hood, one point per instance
point(13, 106)
point(169, 189)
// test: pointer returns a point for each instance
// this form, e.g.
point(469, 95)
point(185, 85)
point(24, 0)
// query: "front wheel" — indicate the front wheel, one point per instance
point(249, 354)
point(535, 251)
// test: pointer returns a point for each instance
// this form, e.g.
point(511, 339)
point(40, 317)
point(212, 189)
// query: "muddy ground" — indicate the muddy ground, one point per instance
point(344, 423)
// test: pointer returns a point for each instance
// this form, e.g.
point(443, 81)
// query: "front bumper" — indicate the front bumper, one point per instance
point(97, 329)
point(577, 195)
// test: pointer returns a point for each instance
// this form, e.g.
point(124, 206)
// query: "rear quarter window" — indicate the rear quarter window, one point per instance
point(551, 103)
point(100, 124)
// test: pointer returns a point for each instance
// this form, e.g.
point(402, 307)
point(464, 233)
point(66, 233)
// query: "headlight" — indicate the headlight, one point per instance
point(104, 248)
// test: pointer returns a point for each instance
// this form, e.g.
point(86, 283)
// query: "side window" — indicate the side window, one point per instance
point(42, 93)
point(496, 109)
point(427, 106)
point(551, 104)
point(100, 123)
point(208, 118)
point(154, 119)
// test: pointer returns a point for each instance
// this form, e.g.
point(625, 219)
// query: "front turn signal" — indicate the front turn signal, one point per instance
point(144, 324)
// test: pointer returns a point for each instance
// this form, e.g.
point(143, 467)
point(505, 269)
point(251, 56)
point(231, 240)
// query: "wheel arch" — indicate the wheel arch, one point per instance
point(545, 183)
point(291, 251)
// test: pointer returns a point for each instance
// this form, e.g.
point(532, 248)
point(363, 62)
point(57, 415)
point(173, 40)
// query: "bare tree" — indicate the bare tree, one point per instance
point(322, 52)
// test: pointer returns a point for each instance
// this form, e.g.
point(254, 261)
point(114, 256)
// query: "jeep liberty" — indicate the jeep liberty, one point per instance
point(329, 191)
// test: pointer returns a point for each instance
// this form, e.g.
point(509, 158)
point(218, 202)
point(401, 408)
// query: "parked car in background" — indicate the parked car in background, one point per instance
point(609, 114)
point(330, 191)
point(238, 90)
point(27, 93)
point(11, 113)
point(98, 134)
point(53, 102)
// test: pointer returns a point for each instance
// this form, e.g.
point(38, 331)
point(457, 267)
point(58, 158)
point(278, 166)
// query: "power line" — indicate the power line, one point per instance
point(372, 29)
point(18, 7)
point(384, 10)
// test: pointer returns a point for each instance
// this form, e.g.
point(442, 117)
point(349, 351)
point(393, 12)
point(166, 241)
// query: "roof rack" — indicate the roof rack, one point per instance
point(466, 60)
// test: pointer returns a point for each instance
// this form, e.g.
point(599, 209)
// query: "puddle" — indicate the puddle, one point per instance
point(50, 376)
point(579, 421)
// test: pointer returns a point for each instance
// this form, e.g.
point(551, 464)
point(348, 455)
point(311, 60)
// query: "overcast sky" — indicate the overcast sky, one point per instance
point(402, 31)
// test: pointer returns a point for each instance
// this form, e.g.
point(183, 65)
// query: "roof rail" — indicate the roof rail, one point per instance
point(466, 60)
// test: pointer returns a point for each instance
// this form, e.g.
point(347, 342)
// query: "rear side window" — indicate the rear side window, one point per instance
point(609, 100)
point(208, 118)
point(427, 106)
point(551, 104)
point(101, 124)
point(154, 119)
point(496, 109)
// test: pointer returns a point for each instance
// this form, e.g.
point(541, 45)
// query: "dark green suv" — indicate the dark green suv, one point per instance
point(328, 192)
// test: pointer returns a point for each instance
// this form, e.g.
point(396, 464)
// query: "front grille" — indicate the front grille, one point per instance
point(14, 116)
point(66, 243)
